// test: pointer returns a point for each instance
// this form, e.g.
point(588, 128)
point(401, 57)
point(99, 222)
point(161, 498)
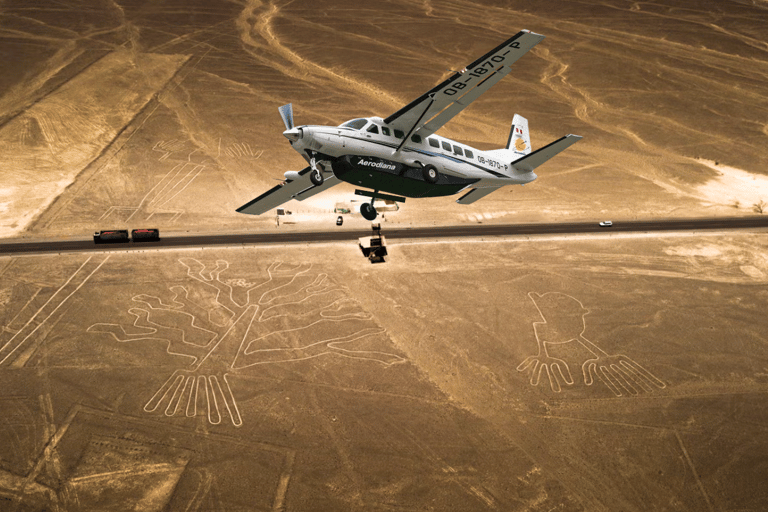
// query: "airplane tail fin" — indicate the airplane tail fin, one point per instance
point(518, 150)
point(519, 140)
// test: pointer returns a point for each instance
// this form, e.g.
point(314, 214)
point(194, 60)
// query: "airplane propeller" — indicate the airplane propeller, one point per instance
point(293, 134)
point(286, 112)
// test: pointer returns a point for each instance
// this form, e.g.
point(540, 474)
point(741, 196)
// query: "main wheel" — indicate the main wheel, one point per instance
point(368, 211)
point(430, 173)
point(316, 177)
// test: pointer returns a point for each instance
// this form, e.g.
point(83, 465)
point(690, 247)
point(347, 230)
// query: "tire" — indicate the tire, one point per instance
point(316, 177)
point(368, 211)
point(430, 173)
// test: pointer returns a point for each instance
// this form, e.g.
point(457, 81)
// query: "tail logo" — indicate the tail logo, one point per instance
point(520, 145)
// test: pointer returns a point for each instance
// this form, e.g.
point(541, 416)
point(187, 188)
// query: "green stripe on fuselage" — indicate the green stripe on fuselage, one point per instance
point(399, 179)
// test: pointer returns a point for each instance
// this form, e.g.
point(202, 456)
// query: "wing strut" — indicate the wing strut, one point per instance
point(405, 139)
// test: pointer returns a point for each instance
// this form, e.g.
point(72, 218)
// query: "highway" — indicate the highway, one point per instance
point(13, 247)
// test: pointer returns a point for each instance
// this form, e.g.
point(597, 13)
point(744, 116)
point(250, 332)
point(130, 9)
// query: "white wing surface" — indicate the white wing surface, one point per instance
point(427, 113)
point(299, 189)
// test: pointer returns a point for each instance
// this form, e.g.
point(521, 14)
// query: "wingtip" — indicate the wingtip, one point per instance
point(533, 33)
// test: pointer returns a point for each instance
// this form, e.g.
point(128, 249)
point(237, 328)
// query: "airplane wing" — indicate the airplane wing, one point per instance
point(299, 189)
point(427, 113)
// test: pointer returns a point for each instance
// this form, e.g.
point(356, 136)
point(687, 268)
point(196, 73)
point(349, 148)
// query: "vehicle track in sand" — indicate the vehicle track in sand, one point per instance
point(260, 18)
point(257, 18)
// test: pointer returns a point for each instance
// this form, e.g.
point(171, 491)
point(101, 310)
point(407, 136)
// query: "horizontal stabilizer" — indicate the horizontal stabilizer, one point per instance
point(475, 194)
point(529, 162)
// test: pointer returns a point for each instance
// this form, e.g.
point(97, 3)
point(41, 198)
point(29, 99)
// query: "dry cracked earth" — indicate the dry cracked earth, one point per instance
point(596, 373)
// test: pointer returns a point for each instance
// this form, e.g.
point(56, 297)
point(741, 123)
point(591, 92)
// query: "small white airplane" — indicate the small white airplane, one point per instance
point(401, 155)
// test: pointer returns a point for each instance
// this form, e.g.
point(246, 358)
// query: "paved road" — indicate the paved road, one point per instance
point(473, 230)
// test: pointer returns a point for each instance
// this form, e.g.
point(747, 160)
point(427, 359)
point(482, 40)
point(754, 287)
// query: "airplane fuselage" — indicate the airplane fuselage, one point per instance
point(400, 156)
point(364, 152)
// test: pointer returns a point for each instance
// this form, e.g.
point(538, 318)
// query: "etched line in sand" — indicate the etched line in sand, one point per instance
point(564, 323)
point(224, 325)
point(257, 19)
point(693, 470)
point(242, 150)
point(450, 473)
point(171, 185)
point(103, 451)
point(25, 337)
point(61, 135)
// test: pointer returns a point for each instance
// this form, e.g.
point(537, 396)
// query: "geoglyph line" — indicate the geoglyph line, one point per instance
point(563, 323)
point(695, 474)
point(59, 297)
point(290, 295)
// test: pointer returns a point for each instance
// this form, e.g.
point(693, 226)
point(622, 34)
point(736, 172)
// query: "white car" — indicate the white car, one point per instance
point(606, 224)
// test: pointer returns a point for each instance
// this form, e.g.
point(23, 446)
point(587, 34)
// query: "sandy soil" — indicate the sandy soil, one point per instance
point(552, 374)
point(595, 374)
point(657, 91)
point(51, 142)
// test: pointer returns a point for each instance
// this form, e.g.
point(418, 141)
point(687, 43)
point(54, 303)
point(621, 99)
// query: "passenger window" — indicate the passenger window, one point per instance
point(458, 151)
point(373, 129)
point(469, 153)
point(385, 130)
point(446, 146)
point(416, 138)
point(399, 134)
point(434, 143)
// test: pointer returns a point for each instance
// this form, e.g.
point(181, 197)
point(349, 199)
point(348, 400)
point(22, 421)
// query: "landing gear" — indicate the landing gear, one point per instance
point(316, 174)
point(430, 173)
point(368, 211)
point(316, 177)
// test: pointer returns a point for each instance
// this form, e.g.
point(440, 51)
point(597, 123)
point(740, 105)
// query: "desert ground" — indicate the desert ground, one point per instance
point(569, 373)
point(591, 374)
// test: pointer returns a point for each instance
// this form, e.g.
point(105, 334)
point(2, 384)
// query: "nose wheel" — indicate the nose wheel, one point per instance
point(316, 174)
point(316, 177)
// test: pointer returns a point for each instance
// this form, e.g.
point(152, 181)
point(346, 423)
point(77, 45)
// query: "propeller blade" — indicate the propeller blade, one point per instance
point(286, 112)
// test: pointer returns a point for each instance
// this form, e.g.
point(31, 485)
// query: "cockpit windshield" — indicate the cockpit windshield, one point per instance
point(355, 124)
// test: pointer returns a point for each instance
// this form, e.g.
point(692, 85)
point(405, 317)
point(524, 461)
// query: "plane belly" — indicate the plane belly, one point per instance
point(395, 177)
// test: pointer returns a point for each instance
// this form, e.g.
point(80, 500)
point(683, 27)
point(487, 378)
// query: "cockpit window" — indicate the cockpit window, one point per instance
point(355, 124)
point(385, 130)
point(373, 129)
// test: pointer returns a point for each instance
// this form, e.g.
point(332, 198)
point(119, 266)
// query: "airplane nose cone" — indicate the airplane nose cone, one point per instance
point(293, 134)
